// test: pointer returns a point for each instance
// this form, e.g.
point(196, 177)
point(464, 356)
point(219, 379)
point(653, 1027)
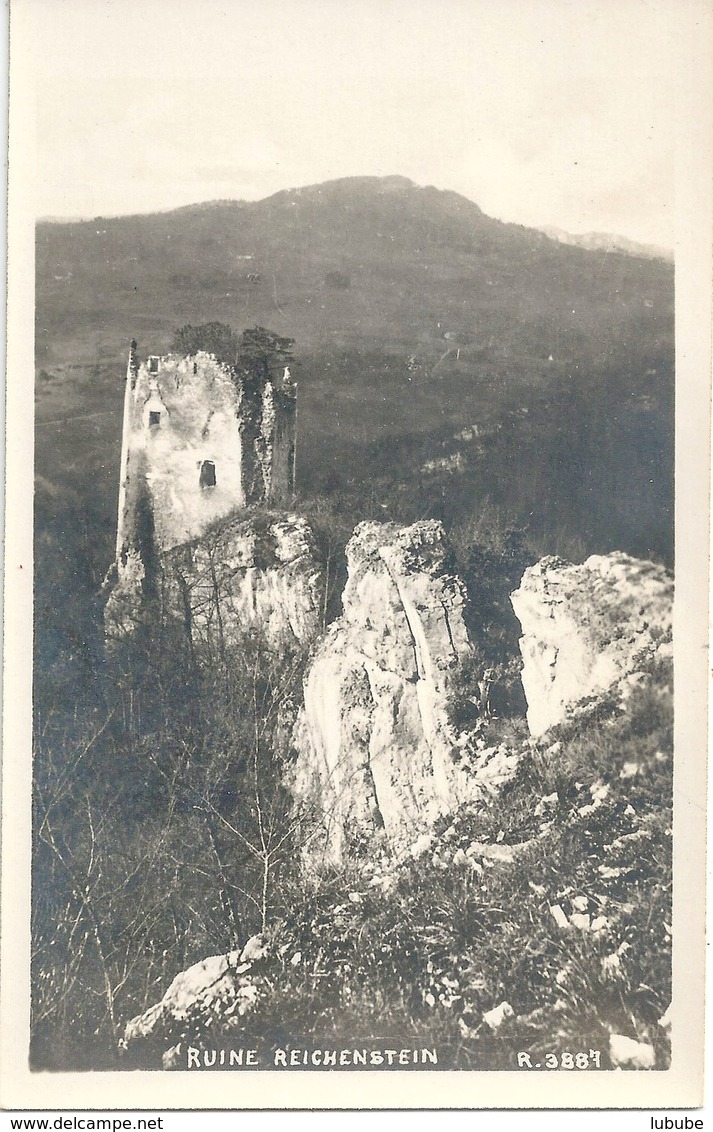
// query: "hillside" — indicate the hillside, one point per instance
point(447, 363)
point(361, 259)
point(348, 846)
point(412, 311)
point(473, 397)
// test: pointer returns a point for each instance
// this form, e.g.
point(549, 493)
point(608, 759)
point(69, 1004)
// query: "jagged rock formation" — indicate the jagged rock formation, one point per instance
point(376, 747)
point(588, 630)
point(248, 572)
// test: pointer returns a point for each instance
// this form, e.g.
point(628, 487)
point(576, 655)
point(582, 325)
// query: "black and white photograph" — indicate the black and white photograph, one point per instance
point(352, 543)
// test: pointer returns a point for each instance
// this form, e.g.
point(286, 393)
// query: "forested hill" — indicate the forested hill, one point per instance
point(355, 262)
point(536, 375)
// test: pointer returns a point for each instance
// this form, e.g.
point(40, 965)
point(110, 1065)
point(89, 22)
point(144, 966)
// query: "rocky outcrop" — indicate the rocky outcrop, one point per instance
point(126, 599)
point(250, 573)
point(212, 992)
point(589, 630)
point(377, 753)
point(254, 572)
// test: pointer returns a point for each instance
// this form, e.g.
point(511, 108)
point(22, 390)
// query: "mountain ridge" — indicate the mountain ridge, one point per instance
point(593, 241)
point(414, 315)
point(609, 242)
point(395, 232)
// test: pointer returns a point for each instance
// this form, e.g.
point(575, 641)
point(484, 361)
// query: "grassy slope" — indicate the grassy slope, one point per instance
point(426, 951)
point(574, 933)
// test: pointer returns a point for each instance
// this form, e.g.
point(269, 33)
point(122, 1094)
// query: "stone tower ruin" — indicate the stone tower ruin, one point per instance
point(199, 441)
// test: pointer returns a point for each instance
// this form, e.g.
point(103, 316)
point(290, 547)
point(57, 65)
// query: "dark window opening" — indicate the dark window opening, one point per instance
point(195, 367)
point(153, 365)
point(154, 417)
point(207, 474)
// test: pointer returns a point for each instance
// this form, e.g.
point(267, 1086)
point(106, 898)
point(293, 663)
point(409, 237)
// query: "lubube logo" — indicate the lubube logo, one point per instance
point(671, 1122)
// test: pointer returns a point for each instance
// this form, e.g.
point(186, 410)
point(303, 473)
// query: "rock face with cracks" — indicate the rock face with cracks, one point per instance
point(249, 572)
point(255, 572)
point(377, 753)
point(589, 630)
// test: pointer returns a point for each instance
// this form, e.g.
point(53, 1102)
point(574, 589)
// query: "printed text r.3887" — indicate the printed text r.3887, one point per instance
point(591, 1059)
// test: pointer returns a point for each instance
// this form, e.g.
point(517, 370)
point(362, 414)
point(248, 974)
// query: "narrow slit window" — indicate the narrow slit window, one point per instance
point(154, 417)
point(153, 365)
point(207, 474)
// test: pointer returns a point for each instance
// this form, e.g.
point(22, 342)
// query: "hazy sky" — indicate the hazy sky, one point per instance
point(546, 112)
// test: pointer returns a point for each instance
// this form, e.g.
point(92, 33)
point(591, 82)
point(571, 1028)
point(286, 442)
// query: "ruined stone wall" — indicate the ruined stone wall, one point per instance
point(267, 415)
point(199, 443)
point(283, 448)
point(183, 434)
point(204, 442)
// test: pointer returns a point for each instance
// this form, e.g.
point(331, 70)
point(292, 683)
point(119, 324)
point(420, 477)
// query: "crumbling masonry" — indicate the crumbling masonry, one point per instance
point(199, 441)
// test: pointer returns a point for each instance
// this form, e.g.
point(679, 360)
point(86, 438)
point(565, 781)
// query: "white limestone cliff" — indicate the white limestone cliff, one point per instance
point(376, 748)
point(589, 630)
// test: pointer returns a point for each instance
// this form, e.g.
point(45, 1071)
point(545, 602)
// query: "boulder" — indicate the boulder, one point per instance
point(588, 630)
point(212, 990)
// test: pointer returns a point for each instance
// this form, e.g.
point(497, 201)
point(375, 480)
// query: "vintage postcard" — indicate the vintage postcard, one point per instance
point(357, 526)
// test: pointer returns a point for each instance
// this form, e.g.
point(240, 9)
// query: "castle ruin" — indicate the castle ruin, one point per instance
point(199, 440)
